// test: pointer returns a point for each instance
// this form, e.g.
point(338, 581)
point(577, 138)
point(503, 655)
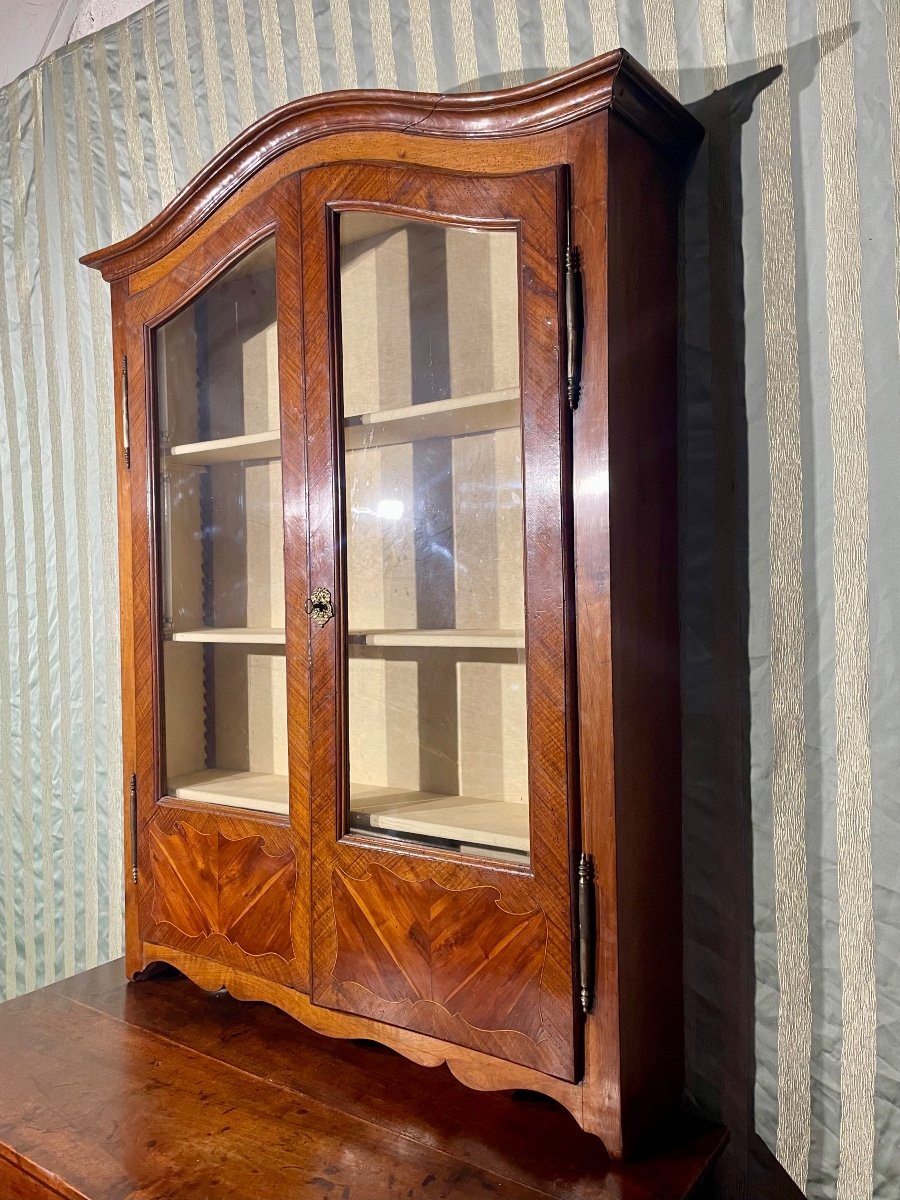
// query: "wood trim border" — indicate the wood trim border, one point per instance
point(476, 1070)
point(613, 80)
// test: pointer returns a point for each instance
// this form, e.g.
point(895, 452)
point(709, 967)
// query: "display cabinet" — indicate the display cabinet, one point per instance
point(396, 411)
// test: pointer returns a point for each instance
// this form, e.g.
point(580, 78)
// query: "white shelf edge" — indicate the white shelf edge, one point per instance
point(483, 412)
point(460, 639)
point(246, 637)
point(244, 447)
point(252, 790)
point(384, 416)
point(429, 814)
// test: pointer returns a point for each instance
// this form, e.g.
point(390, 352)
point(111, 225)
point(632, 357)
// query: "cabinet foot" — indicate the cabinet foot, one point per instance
point(156, 970)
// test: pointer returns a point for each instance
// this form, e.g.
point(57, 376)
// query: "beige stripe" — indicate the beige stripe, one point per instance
point(13, 565)
point(556, 34)
point(383, 43)
point(7, 622)
point(93, 610)
point(786, 597)
point(605, 25)
point(164, 168)
point(111, 174)
point(51, 802)
point(270, 23)
point(308, 47)
point(212, 74)
point(132, 125)
point(423, 45)
point(77, 460)
point(343, 42)
point(715, 49)
point(27, 443)
point(464, 44)
point(243, 70)
point(851, 533)
point(184, 84)
point(509, 42)
point(662, 46)
point(892, 44)
point(105, 484)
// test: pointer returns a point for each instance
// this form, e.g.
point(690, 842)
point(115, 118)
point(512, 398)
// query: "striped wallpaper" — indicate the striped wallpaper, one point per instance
point(790, 446)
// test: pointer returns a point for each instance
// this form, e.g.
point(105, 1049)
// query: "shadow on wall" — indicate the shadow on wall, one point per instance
point(719, 962)
point(714, 602)
point(720, 979)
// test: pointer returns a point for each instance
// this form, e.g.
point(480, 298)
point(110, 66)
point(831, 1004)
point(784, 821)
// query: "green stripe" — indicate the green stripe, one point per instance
point(10, 674)
point(187, 102)
point(275, 68)
point(132, 124)
point(33, 653)
point(105, 522)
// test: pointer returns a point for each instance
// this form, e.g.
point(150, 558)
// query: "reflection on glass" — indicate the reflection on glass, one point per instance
point(433, 513)
point(222, 543)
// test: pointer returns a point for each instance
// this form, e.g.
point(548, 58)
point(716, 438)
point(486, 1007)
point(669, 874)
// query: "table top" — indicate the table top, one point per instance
point(160, 1091)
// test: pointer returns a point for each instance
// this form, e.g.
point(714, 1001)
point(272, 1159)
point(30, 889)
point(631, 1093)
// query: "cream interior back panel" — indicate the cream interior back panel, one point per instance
point(433, 505)
point(223, 543)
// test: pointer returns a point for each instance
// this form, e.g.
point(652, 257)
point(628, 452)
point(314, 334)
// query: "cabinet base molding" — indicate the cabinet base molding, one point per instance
point(475, 1070)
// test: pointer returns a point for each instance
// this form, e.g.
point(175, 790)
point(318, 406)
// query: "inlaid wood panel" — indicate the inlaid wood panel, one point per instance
point(419, 942)
point(205, 883)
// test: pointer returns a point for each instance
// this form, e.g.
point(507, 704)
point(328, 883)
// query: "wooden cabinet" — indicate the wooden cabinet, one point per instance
point(397, 543)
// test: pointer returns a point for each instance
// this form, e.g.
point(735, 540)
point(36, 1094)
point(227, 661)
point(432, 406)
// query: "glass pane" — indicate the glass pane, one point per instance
point(433, 513)
point(222, 552)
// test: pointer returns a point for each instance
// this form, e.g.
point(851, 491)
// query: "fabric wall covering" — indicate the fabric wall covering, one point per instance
point(791, 489)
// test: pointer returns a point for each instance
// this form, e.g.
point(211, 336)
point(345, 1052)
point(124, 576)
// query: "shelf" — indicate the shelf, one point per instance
point(481, 413)
point(459, 639)
point(245, 448)
point(500, 824)
point(236, 789)
point(246, 637)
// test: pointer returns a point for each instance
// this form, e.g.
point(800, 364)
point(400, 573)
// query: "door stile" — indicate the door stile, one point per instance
point(291, 366)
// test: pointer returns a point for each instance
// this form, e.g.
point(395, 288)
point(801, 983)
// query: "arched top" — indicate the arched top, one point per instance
point(613, 80)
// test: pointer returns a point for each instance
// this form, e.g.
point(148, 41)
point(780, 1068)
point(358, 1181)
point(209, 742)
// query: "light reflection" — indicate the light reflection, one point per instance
point(597, 484)
point(390, 510)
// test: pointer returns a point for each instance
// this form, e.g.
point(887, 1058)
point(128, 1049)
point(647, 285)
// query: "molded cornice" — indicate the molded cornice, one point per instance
point(614, 81)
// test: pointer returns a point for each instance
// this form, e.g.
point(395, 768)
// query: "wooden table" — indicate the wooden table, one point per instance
point(156, 1090)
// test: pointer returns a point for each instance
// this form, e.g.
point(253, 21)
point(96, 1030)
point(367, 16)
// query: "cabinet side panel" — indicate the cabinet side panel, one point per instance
point(643, 293)
point(119, 292)
point(587, 152)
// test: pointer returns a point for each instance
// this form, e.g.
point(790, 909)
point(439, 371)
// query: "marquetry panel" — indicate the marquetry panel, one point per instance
point(417, 941)
point(205, 884)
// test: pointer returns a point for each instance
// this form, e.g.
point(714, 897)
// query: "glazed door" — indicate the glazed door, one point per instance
point(437, 441)
point(220, 727)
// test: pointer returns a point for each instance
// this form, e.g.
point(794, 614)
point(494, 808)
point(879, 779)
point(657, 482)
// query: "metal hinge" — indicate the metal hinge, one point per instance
point(126, 431)
point(134, 830)
point(587, 931)
point(574, 320)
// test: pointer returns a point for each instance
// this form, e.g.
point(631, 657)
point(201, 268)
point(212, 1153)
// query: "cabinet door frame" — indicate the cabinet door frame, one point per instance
point(155, 296)
point(535, 204)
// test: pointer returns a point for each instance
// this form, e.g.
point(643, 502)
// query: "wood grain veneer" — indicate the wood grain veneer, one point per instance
point(598, 148)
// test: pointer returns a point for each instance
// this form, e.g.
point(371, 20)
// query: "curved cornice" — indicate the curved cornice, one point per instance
point(614, 80)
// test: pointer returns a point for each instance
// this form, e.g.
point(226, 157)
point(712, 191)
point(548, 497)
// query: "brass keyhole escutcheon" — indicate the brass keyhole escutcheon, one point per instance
point(320, 607)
